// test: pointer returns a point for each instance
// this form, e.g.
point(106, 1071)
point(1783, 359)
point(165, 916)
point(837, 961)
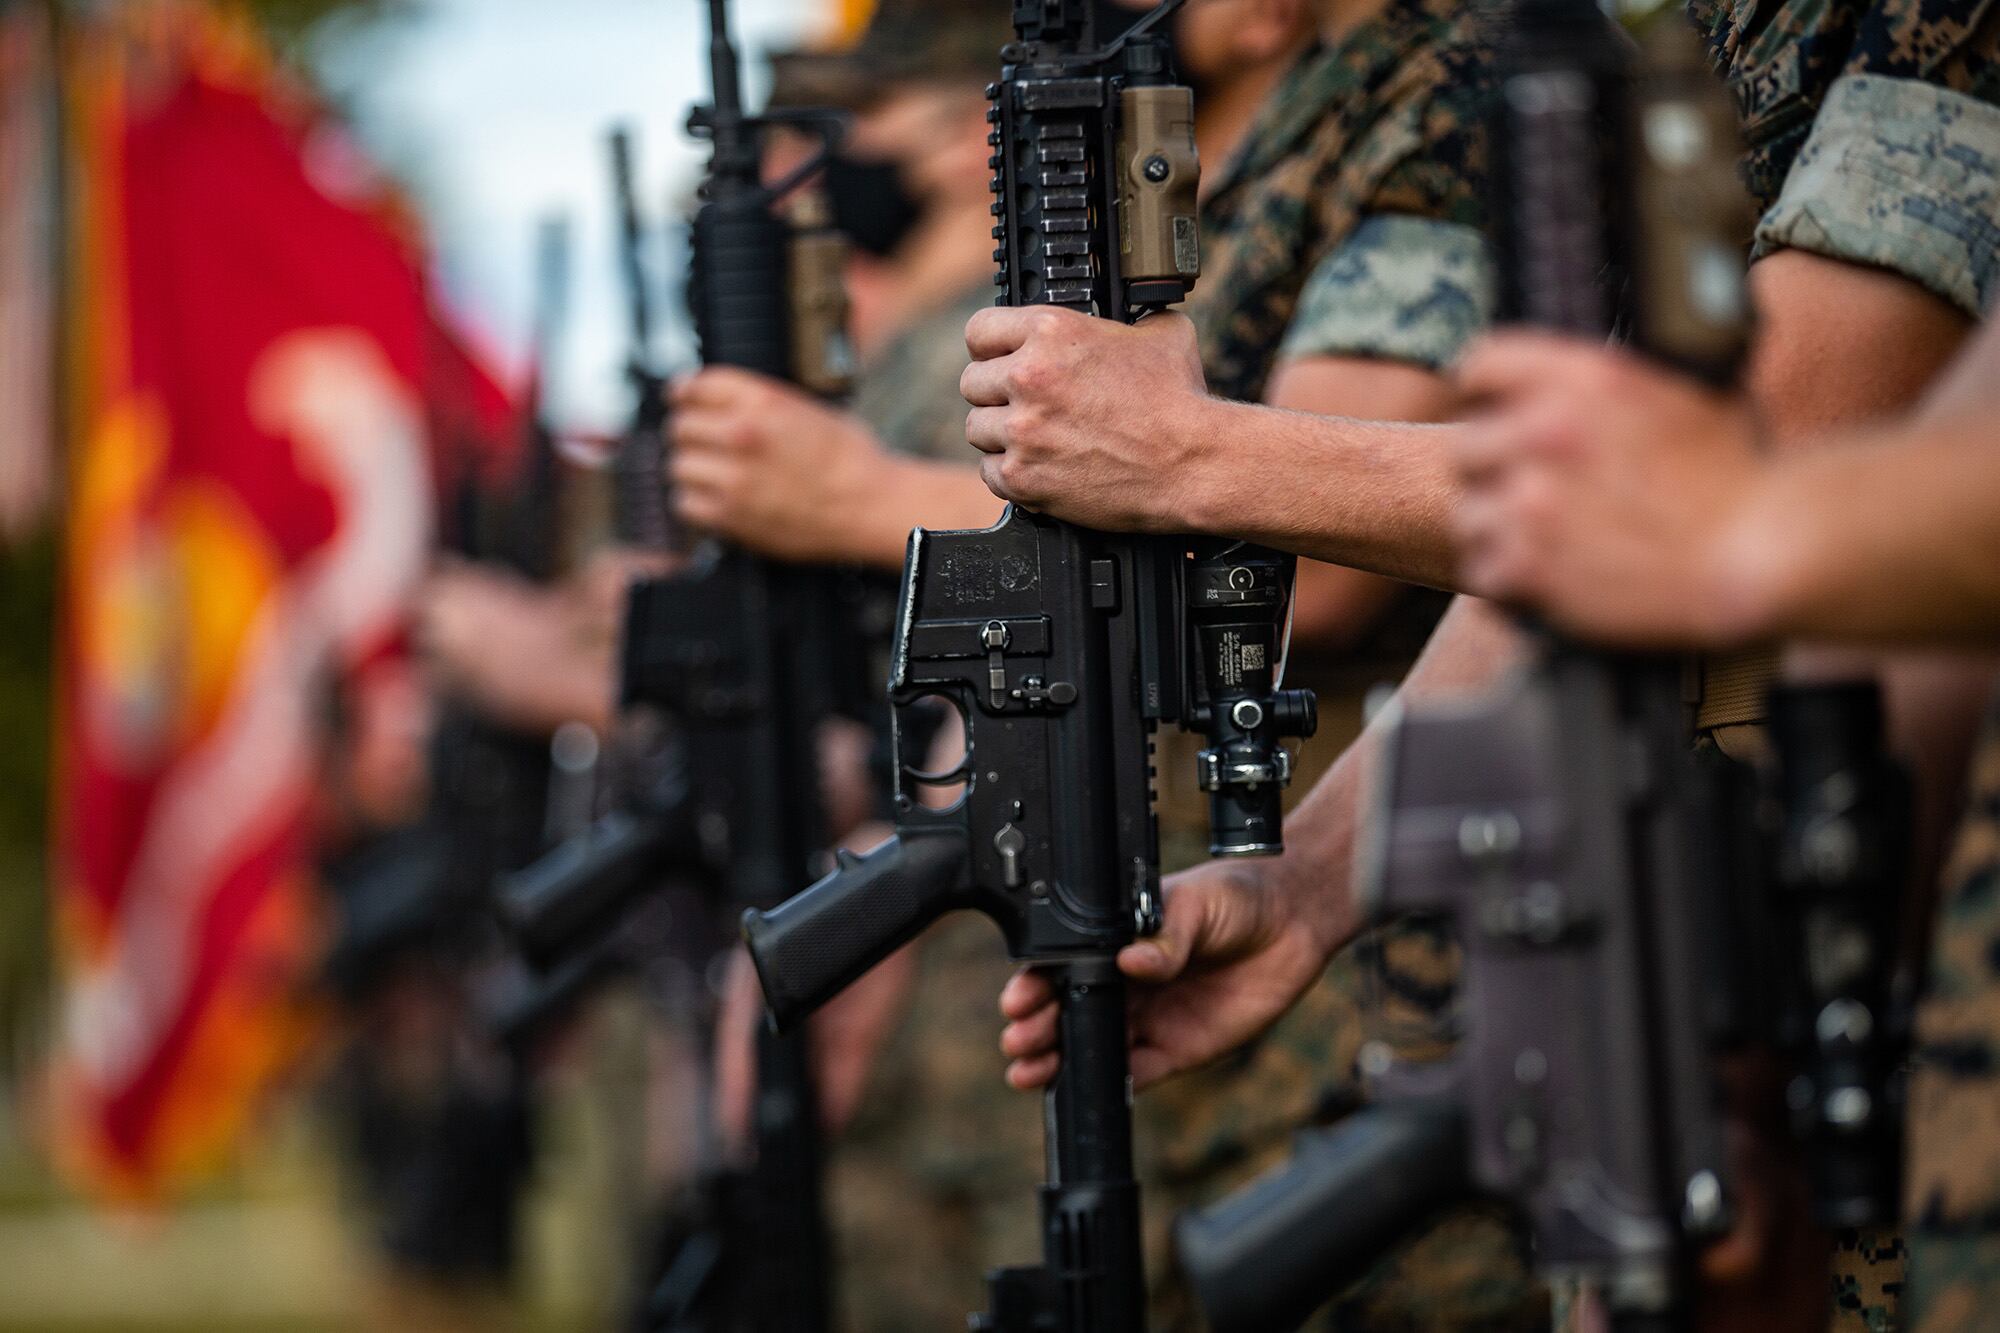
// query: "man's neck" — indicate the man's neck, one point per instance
point(1227, 108)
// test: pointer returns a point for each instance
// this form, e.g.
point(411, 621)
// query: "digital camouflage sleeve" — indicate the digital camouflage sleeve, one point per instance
point(1871, 131)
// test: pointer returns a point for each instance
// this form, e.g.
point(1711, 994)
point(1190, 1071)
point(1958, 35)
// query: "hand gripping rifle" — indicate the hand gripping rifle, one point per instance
point(1062, 649)
point(1561, 824)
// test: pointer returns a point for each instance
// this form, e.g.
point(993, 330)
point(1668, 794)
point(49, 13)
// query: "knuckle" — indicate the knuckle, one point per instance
point(1535, 505)
point(1022, 432)
point(1028, 376)
point(1013, 477)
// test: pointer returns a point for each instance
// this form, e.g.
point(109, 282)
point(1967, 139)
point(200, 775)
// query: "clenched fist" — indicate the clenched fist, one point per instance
point(1089, 420)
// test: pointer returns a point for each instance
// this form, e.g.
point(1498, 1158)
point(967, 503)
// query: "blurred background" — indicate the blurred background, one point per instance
point(296, 296)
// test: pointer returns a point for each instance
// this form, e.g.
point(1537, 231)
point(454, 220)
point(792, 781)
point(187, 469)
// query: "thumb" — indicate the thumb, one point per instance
point(1183, 923)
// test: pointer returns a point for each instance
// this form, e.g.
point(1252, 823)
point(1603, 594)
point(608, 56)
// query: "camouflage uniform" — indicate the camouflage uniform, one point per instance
point(1872, 137)
point(1346, 225)
point(908, 393)
point(1952, 1195)
point(934, 1182)
point(1870, 132)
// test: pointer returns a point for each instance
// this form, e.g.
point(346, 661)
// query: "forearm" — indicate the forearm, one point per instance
point(1882, 540)
point(1370, 495)
point(907, 493)
point(1472, 647)
point(1334, 606)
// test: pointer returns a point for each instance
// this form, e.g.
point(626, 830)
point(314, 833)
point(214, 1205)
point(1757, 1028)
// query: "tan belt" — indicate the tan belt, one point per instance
point(1730, 689)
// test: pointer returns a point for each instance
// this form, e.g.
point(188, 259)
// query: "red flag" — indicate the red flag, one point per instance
point(250, 510)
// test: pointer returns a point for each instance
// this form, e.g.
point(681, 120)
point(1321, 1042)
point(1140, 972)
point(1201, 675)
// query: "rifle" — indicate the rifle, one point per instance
point(1062, 650)
point(1560, 824)
point(746, 659)
point(639, 491)
point(1844, 1006)
point(565, 902)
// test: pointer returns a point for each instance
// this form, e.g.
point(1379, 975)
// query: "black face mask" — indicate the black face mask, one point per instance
point(871, 205)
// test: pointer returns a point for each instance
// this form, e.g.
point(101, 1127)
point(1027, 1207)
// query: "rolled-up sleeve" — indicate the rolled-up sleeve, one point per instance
point(1401, 288)
point(1900, 175)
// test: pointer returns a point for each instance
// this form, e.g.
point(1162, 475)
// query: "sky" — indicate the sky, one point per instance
point(496, 112)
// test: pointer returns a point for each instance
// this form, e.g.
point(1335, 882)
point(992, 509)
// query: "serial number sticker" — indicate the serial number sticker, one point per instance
point(1229, 661)
point(1253, 657)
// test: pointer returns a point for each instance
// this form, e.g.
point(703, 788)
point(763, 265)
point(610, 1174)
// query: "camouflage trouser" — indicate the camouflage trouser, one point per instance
point(1952, 1197)
point(935, 1181)
point(1869, 1272)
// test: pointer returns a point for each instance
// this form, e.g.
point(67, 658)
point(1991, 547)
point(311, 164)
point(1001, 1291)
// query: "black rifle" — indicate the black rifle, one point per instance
point(426, 889)
point(1562, 825)
point(1062, 649)
point(563, 910)
point(1842, 850)
point(639, 493)
point(745, 659)
point(565, 903)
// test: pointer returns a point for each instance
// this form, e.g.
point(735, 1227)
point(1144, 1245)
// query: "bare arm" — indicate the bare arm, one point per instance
point(1335, 605)
point(906, 493)
point(1890, 534)
point(1839, 345)
point(1890, 539)
point(1111, 426)
point(1370, 495)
